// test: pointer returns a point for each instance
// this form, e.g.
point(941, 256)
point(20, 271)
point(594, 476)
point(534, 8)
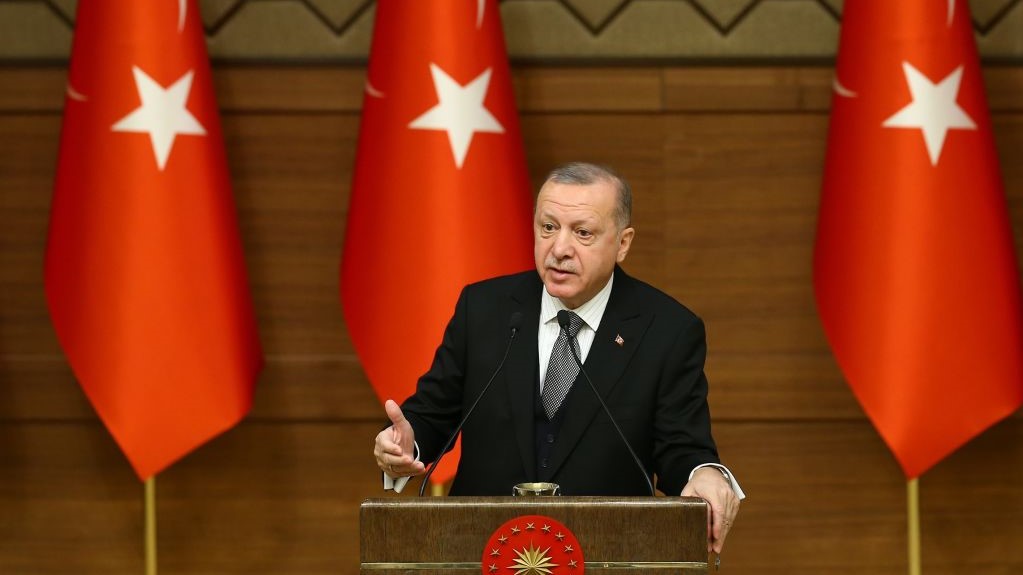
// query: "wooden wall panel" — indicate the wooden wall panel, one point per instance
point(301, 516)
point(543, 89)
point(290, 174)
point(70, 502)
point(725, 164)
point(743, 215)
point(265, 498)
point(830, 499)
point(28, 152)
point(290, 388)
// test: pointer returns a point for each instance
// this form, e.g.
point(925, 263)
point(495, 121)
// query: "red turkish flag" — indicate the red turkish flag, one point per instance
point(914, 270)
point(440, 196)
point(145, 278)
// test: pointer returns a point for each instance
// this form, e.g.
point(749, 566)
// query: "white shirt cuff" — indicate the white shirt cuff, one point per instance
point(728, 475)
point(398, 483)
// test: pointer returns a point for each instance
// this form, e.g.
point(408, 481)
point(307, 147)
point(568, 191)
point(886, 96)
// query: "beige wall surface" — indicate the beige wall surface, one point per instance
point(536, 30)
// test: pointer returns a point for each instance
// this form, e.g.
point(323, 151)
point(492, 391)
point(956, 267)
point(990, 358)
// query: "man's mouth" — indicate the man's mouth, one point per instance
point(559, 273)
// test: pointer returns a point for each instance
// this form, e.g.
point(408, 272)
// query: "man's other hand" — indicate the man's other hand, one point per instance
point(709, 484)
point(394, 446)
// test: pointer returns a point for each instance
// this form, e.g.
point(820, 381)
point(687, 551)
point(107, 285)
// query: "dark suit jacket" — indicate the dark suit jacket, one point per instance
point(653, 384)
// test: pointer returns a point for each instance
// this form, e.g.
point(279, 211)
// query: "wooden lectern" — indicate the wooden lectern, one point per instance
point(451, 535)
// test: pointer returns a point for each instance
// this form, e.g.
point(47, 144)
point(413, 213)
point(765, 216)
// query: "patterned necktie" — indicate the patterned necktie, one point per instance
point(562, 368)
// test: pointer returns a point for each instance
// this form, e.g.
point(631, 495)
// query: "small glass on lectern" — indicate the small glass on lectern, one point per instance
point(537, 489)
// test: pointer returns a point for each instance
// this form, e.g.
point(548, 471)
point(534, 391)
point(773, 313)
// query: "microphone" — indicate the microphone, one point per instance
point(513, 324)
point(564, 321)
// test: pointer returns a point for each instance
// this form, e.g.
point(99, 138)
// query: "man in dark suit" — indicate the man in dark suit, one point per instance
point(539, 421)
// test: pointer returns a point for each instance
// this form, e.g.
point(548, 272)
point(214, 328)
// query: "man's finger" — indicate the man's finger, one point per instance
point(720, 531)
point(385, 443)
point(724, 520)
point(720, 522)
point(394, 413)
point(403, 467)
point(391, 448)
point(399, 424)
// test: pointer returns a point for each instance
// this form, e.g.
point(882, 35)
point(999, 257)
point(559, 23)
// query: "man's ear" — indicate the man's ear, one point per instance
point(625, 242)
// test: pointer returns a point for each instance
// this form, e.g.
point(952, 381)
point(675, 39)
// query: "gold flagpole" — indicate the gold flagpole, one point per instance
point(150, 528)
point(913, 497)
point(437, 490)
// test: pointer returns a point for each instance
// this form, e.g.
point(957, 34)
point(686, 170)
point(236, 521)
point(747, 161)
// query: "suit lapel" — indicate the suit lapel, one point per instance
point(605, 363)
point(520, 370)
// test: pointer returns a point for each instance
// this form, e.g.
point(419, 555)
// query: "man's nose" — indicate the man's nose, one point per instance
point(563, 247)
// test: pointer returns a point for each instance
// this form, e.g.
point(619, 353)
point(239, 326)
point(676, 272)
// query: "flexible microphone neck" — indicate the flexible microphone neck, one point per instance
point(513, 323)
point(564, 320)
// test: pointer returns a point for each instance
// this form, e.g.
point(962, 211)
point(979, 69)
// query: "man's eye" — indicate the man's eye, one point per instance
point(547, 227)
point(584, 233)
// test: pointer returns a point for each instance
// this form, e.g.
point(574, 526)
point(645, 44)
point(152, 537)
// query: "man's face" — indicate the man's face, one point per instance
point(575, 240)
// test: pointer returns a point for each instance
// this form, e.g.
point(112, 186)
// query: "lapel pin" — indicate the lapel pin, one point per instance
point(619, 340)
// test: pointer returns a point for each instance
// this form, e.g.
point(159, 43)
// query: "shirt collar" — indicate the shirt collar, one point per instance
point(591, 312)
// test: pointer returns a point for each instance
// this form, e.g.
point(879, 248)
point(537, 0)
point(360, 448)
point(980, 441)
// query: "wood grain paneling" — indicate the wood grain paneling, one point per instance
point(70, 502)
point(28, 156)
point(736, 89)
point(725, 165)
point(830, 499)
point(262, 498)
point(291, 177)
point(291, 388)
point(673, 529)
point(542, 89)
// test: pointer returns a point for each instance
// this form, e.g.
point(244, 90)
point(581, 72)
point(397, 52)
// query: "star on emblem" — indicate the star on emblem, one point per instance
point(495, 552)
point(934, 110)
point(503, 539)
point(515, 530)
point(162, 114)
point(559, 536)
point(546, 528)
point(493, 567)
point(573, 563)
point(459, 111)
point(568, 549)
point(530, 526)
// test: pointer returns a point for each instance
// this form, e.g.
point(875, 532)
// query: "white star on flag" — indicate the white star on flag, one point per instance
point(459, 111)
point(162, 114)
point(933, 110)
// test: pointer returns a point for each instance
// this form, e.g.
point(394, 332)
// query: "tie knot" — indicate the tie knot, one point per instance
point(575, 323)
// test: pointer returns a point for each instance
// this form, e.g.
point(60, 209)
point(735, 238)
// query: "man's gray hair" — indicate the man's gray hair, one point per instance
point(584, 174)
